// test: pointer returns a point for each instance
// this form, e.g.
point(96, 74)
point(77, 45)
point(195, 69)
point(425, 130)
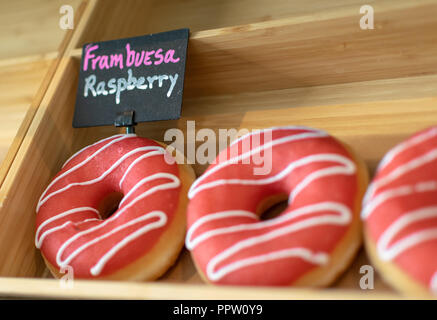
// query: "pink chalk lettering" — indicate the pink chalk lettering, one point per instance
point(133, 58)
point(138, 59)
point(117, 60)
point(159, 56)
point(169, 57)
point(147, 61)
point(89, 56)
point(130, 56)
point(103, 64)
point(94, 62)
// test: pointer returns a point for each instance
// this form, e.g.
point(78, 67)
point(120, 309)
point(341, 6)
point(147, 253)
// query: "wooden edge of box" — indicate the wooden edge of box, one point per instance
point(56, 57)
point(88, 289)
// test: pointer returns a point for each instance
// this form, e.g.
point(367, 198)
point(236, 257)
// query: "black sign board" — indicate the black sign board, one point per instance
point(143, 75)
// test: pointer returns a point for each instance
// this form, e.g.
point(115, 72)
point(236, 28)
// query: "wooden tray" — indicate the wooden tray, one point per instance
point(249, 66)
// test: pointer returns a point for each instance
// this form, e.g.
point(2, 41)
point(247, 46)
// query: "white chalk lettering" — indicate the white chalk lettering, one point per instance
point(117, 86)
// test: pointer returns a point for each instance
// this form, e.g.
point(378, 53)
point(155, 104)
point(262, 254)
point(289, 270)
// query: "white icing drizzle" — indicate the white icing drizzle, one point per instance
point(42, 199)
point(406, 145)
point(405, 168)
point(347, 167)
point(191, 244)
point(150, 226)
point(40, 239)
point(101, 177)
point(62, 261)
point(234, 160)
point(303, 253)
point(173, 184)
point(144, 156)
point(389, 252)
point(152, 177)
point(342, 216)
point(271, 129)
point(92, 145)
point(399, 172)
point(389, 194)
point(386, 250)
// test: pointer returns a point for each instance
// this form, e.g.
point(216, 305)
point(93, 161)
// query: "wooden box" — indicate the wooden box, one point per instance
point(250, 65)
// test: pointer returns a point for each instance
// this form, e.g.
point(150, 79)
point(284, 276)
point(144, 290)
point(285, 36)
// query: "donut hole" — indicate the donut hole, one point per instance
point(272, 207)
point(109, 204)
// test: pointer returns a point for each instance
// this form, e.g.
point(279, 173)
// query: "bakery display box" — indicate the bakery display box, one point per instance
point(250, 65)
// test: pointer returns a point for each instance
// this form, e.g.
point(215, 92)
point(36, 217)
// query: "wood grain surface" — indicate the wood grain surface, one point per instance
point(31, 27)
point(18, 85)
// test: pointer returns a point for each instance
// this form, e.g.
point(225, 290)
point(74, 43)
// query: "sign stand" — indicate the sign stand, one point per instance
point(126, 119)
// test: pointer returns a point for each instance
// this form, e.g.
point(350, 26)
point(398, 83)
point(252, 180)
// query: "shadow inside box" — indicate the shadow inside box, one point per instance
point(183, 271)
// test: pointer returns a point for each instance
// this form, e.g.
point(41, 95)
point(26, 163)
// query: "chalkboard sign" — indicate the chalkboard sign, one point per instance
point(142, 74)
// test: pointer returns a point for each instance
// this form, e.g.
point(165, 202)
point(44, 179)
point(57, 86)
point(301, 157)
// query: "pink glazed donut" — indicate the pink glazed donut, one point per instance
point(310, 243)
point(400, 215)
point(145, 234)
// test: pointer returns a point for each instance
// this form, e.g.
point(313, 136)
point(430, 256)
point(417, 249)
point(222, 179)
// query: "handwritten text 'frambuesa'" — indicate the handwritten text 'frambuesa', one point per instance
point(131, 59)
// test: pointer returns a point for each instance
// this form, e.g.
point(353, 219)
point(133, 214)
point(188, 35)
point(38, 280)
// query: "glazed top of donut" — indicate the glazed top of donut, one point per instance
point(228, 240)
point(69, 228)
point(400, 207)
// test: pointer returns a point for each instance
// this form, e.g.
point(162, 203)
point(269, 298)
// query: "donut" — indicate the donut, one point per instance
point(400, 215)
point(116, 210)
point(308, 244)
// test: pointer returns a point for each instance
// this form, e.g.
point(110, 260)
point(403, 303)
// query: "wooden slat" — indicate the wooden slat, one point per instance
point(130, 290)
point(328, 95)
point(118, 19)
point(18, 84)
point(22, 124)
point(327, 48)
